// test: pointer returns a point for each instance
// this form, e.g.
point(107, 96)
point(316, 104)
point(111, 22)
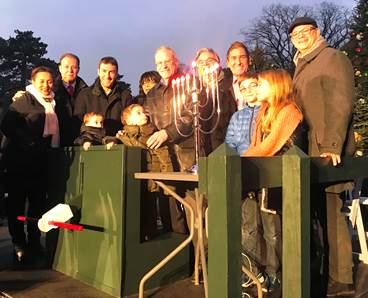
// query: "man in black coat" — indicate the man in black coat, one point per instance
point(159, 106)
point(66, 88)
point(106, 96)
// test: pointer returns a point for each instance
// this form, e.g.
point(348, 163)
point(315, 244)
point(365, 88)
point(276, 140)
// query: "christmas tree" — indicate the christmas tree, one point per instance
point(357, 51)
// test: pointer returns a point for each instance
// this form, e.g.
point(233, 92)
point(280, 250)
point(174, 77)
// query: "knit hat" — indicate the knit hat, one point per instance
point(302, 21)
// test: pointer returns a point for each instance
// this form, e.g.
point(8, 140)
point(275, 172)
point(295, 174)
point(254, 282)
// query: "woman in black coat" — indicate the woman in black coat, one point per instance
point(30, 126)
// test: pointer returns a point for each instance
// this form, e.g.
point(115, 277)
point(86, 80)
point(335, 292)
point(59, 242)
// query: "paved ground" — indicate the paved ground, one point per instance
point(34, 281)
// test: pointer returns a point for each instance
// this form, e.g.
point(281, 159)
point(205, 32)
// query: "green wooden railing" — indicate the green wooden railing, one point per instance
point(221, 178)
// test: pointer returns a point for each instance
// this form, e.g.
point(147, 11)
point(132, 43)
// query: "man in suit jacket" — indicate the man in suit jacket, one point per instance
point(67, 87)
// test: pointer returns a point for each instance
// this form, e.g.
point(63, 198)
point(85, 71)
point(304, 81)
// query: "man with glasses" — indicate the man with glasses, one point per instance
point(205, 58)
point(324, 85)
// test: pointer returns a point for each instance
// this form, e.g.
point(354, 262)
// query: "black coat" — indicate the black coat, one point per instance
point(93, 99)
point(94, 135)
point(228, 108)
point(68, 123)
point(23, 126)
point(159, 106)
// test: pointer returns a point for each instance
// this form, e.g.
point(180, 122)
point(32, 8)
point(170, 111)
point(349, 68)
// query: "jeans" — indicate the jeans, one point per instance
point(261, 237)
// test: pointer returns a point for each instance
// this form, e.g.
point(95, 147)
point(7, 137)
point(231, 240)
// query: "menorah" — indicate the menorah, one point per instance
point(203, 80)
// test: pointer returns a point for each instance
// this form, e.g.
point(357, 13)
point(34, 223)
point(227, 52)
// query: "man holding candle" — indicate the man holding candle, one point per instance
point(160, 108)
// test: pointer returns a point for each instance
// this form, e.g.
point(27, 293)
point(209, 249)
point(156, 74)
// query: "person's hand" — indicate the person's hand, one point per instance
point(18, 95)
point(157, 139)
point(336, 159)
point(87, 145)
point(110, 145)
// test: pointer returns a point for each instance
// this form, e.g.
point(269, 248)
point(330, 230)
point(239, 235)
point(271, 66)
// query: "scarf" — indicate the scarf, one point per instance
point(51, 127)
point(298, 55)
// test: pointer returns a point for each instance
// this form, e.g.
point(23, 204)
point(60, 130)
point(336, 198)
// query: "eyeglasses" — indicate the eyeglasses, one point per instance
point(303, 32)
point(208, 61)
point(250, 86)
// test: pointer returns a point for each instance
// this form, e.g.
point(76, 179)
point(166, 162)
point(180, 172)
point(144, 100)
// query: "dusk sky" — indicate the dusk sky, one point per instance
point(132, 30)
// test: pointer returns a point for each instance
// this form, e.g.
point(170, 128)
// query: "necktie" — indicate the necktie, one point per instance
point(70, 90)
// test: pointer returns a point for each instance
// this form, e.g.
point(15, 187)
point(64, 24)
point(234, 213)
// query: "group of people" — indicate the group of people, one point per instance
point(262, 114)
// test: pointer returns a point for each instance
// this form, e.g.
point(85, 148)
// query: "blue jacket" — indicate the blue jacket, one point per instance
point(241, 127)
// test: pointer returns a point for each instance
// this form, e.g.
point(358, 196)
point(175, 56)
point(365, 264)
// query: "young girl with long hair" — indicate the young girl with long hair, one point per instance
point(277, 129)
point(279, 117)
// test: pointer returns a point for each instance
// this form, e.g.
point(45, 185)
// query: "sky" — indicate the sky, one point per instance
point(131, 30)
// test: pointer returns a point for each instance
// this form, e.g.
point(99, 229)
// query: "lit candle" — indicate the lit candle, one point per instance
point(178, 95)
point(205, 80)
point(212, 76)
point(217, 66)
point(194, 65)
point(182, 79)
point(173, 83)
point(187, 80)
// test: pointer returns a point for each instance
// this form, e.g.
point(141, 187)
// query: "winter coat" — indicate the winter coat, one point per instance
point(324, 85)
point(23, 126)
point(94, 135)
point(158, 160)
point(93, 99)
point(241, 127)
point(159, 106)
point(69, 124)
point(281, 136)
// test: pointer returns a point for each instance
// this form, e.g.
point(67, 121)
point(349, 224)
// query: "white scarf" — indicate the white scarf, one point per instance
point(51, 127)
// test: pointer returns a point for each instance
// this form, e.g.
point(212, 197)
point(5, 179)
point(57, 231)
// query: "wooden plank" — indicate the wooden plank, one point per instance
point(224, 199)
point(296, 225)
point(323, 171)
point(171, 176)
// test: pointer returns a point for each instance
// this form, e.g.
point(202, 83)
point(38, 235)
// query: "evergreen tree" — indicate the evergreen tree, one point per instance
point(18, 56)
point(123, 84)
point(357, 51)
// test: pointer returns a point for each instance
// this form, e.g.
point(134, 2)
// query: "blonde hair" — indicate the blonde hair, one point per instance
point(87, 117)
point(282, 94)
point(127, 112)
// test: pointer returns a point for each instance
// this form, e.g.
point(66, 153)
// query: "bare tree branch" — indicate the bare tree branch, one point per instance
point(269, 32)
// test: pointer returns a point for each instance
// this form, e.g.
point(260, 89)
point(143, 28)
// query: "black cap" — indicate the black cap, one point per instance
point(302, 21)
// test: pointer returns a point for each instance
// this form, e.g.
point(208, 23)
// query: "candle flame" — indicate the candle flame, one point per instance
point(194, 64)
